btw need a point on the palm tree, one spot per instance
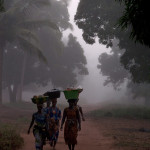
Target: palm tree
(16, 26)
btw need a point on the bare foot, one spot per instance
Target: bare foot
(51, 143)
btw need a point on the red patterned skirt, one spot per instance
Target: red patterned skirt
(71, 131)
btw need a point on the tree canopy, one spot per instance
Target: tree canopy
(99, 19)
(136, 17)
(93, 18)
(110, 66)
(17, 27)
(64, 63)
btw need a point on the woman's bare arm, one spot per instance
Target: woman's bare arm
(79, 119)
(63, 120)
(81, 112)
(31, 124)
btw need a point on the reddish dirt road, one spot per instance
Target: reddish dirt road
(104, 133)
(90, 138)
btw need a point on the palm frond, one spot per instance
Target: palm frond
(39, 23)
(26, 7)
(28, 34)
(7, 13)
(23, 5)
(31, 48)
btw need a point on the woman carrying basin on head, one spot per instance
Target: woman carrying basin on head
(53, 117)
(39, 129)
(72, 121)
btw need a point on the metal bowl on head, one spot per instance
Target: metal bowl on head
(54, 93)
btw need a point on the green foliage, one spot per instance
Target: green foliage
(120, 111)
(136, 17)
(10, 138)
(99, 19)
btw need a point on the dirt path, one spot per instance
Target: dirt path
(90, 138)
(105, 133)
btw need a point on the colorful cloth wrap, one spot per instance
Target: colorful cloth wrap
(54, 115)
(39, 130)
(71, 126)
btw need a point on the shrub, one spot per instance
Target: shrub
(10, 139)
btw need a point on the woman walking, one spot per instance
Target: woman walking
(39, 130)
(54, 116)
(72, 121)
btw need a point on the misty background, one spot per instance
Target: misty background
(67, 59)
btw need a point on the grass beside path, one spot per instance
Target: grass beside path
(127, 125)
(120, 111)
(10, 139)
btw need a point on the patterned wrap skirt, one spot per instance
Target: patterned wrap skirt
(39, 134)
(71, 131)
(53, 130)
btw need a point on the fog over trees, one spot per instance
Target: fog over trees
(34, 55)
(39, 27)
(128, 61)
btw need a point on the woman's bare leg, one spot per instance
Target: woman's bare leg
(73, 146)
(54, 144)
(69, 145)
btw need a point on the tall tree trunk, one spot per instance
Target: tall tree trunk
(147, 101)
(1, 71)
(22, 77)
(12, 93)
